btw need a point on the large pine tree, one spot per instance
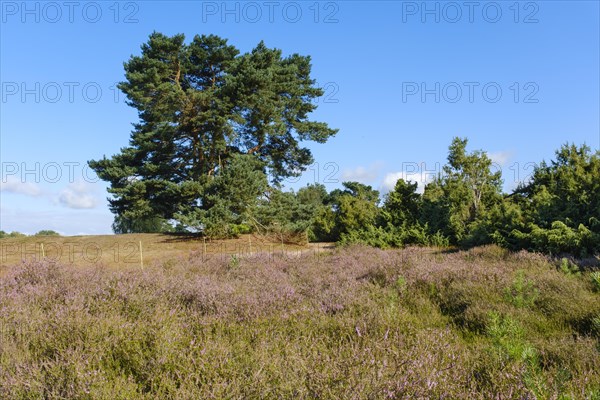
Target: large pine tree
(202, 106)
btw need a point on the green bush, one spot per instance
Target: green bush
(522, 293)
(562, 239)
(568, 267)
(13, 234)
(47, 233)
(438, 240)
(507, 335)
(559, 204)
(393, 237)
(372, 236)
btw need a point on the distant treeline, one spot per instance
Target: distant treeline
(556, 211)
(14, 234)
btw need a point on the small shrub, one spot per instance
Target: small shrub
(506, 334)
(568, 267)
(508, 338)
(47, 232)
(401, 284)
(372, 236)
(234, 261)
(522, 292)
(438, 240)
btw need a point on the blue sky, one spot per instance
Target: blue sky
(402, 78)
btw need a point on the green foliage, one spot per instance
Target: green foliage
(372, 236)
(286, 215)
(225, 190)
(562, 204)
(462, 206)
(146, 224)
(228, 199)
(356, 218)
(322, 225)
(556, 212)
(401, 284)
(438, 240)
(568, 267)
(508, 335)
(522, 293)
(495, 225)
(12, 234)
(47, 233)
(234, 261)
(401, 206)
(354, 208)
(457, 202)
(201, 105)
(323, 228)
(389, 237)
(558, 238)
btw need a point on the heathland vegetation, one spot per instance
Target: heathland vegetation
(357, 322)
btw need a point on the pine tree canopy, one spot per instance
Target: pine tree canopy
(201, 106)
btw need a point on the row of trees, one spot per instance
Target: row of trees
(15, 234)
(556, 211)
(219, 130)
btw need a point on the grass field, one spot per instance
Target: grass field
(344, 323)
(123, 251)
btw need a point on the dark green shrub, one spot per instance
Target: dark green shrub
(47, 233)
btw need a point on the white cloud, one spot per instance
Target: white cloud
(390, 179)
(78, 195)
(362, 174)
(500, 157)
(14, 185)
